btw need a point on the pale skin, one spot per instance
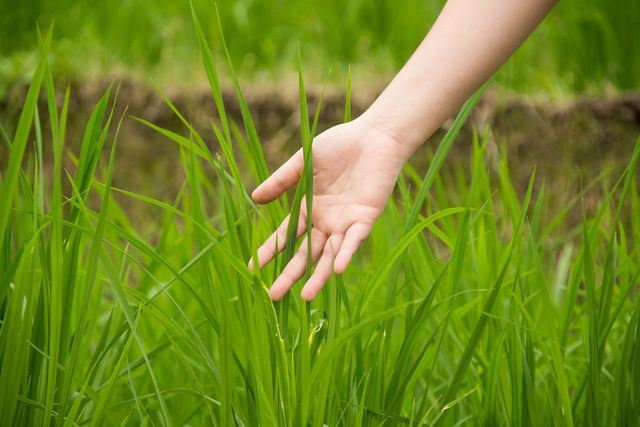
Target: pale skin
(357, 164)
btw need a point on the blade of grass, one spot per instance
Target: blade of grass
(21, 136)
(473, 340)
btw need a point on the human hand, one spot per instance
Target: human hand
(355, 167)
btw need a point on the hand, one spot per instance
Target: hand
(355, 170)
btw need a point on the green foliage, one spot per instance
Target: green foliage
(580, 46)
(490, 311)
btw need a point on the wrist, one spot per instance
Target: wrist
(399, 142)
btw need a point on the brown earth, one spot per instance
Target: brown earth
(570, 143)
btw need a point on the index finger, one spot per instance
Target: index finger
(279, 181)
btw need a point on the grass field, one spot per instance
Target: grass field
(468, 304)
(581, 46)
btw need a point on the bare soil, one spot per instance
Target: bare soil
(570, 143)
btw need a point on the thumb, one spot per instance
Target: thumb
(280, 181)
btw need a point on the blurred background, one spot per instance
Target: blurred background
(585, 47)
(567, 102)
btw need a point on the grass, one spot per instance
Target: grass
(467, 304)
(580, 47)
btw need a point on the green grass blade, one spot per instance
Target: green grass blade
(347, 103)
(93, 260)
(9, 180)
(440, 155)
(473, 340)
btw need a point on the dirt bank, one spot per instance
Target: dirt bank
(570, 143)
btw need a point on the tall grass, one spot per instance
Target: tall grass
(466, 304)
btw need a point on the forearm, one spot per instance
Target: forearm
(469, 41)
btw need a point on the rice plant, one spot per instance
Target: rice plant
(467, 305)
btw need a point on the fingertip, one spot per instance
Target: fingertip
(250, 264)
(340, 264)
(274, 295)
(258, 196)
(278, 289)
(307, 294)
(264, 193)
